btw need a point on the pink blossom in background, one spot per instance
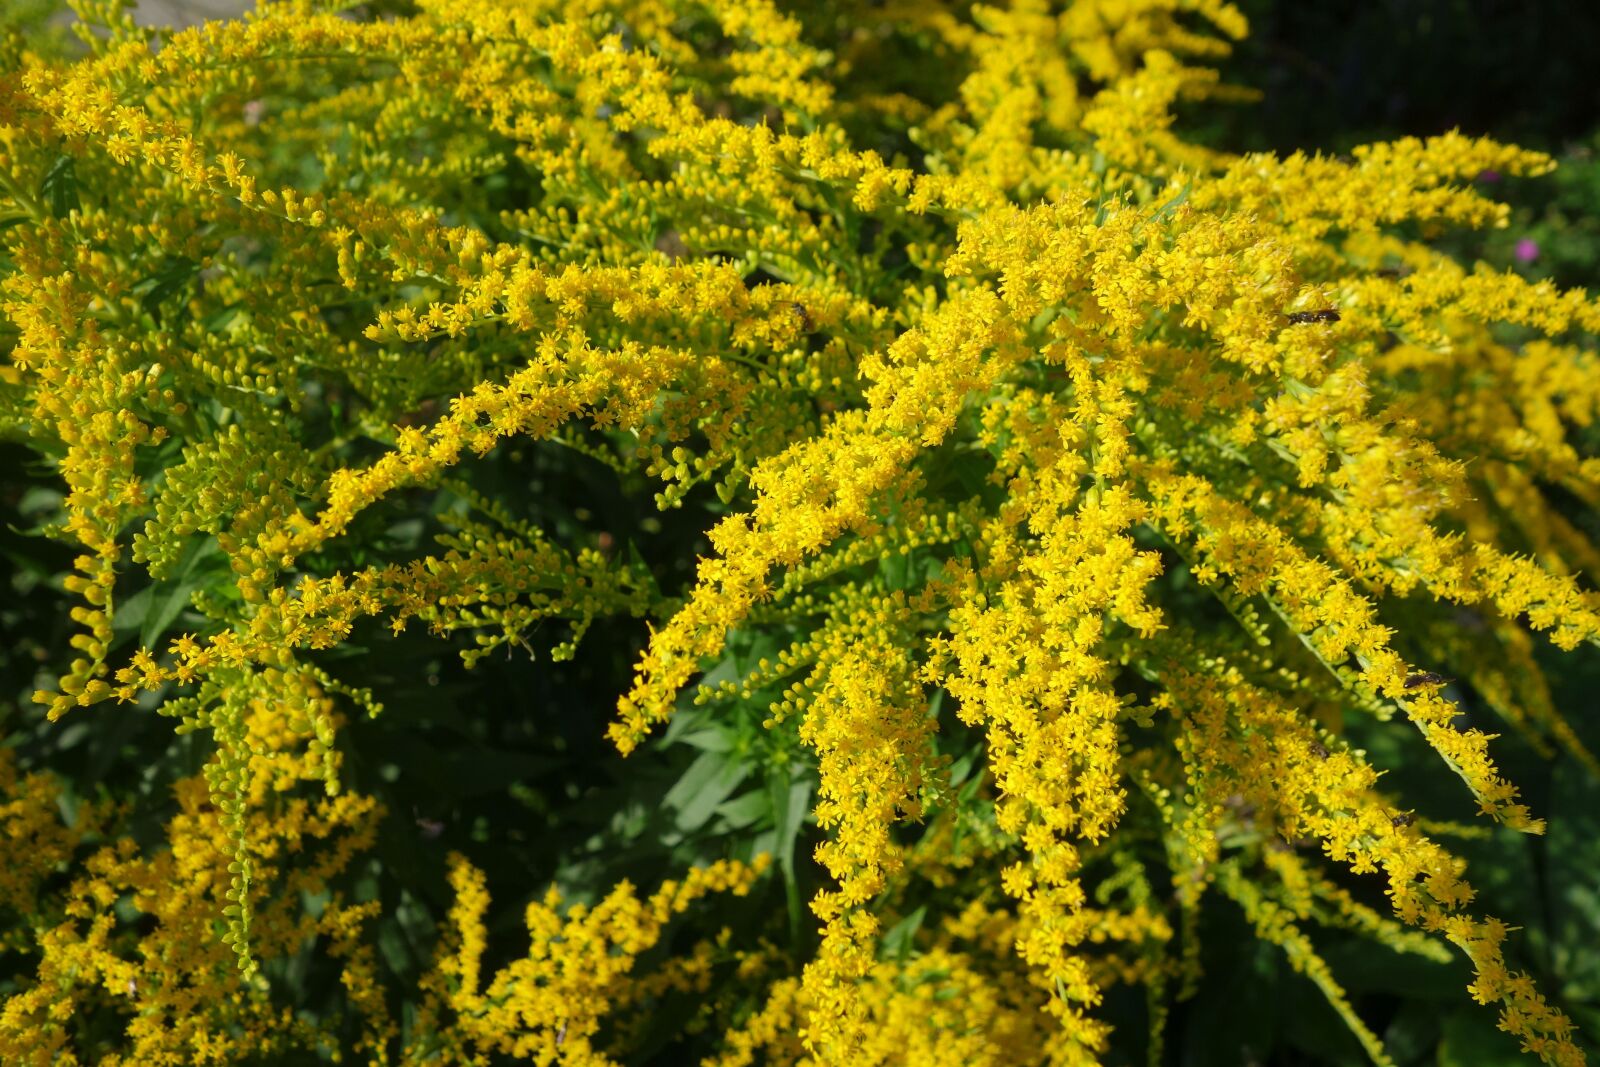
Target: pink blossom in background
(1526, 250)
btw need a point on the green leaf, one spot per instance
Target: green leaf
(219, 321)
(1413, 1033)
(791, 799)
(708, 740)
(1472, 1039)
(744, 810)
(174, 275)
(964, 764)
(709, 781)
(754, 648)
(153, 610)
(59, 188)
(900, 938)
(1572, 849)
(896, 570)
(1237, 1016)
(1170, 208)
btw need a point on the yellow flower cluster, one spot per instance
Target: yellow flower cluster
(1089, 487)
(547, 1007)
(143, 934)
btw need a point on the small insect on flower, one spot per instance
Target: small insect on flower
(800, 312)
(1416, 681)
(1302, 318)
(1319, 750)
(431, 829)
(1403, 819)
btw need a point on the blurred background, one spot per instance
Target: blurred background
(1341, 73)
(187, 12)
(1335, 75)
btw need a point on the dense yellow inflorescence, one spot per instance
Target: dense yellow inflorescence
(1151, 463)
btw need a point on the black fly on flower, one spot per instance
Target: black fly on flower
(1303, 318)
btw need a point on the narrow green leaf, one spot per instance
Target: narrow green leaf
(59, 188)
(900, 938)
(709, 781)
(744, 810)
(790, 804)
(174, 275)
(1170, 208)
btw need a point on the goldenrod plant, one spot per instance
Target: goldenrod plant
(1075, 500)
